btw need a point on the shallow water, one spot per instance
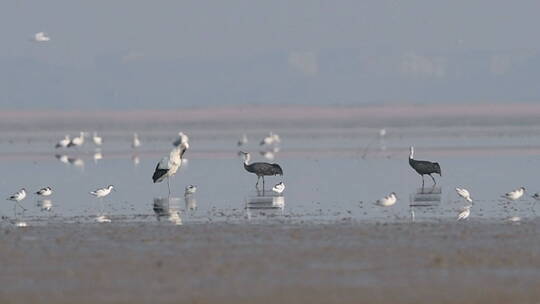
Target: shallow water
(330, 175)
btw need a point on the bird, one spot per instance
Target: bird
(464, 193)
(47, 191)
(168, 165)
(63, 142)
(382, 132)
(18, 196)
(464, 213)
(242, 141)
(536, 196)
(77, 141)
(424, 167)
(41, 37)
(190, 190)
(97, 139)
(513, 219)
(387, 201)
(271, 138)
(136, 142)
(279, 188)
(261, 169)
(515, 195)
(102, 192)
(182, 138)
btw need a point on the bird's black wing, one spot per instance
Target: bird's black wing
(424, 166)
(158, 174)
(265, 169)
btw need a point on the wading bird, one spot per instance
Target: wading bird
(18, 196)
(77, 141)
(102, 192)
(41, 37)
(387, 200)
(97, 139)
(464, 193)
(242, 141)
(515, 195)
(261, 169)
(190, 190)
(47, 191)
(424, 167)
(270, 139)
(168, 165)
(63, 142)
(136, 142)
(536, 196)
(279, 188)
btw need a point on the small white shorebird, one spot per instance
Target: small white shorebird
(513, 219)
(242, 141)
(63, 143)
(190, 190)
(169, 165)
(102, 192)
(279, 188)
(270, 139)
(515, 195)
(98, 140)
(464, 213)
(77, 141)
(41, 37)
(136, 142)
(18, 196)
(464, 193)
(182, 139)
(47, 191)
(387, 200)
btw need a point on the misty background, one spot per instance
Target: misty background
(128, 54)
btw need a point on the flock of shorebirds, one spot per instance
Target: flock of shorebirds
(165, 168)
(169, 165)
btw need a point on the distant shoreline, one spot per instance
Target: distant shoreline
(387, 115)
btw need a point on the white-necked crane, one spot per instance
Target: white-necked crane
(424, 167)
(261, 169)
(169, 165)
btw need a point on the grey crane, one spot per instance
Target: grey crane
(424, 167)
(168, 165)
(261, 169)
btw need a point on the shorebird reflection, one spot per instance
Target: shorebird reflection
(45, 204)
(422, 198)
(167, 208)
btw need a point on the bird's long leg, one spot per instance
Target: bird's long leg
(169, 185)
(20, 205)
(434, 182)
(263, 184)
(257, 184)
(422, 183)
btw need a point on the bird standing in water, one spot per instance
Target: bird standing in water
(424, 167)
(169, 165)
(261, 169)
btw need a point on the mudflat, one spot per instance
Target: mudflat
(271, 262)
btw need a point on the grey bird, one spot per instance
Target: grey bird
(424, 167)
(261, 169)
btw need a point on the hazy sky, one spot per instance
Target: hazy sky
(326, 42)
